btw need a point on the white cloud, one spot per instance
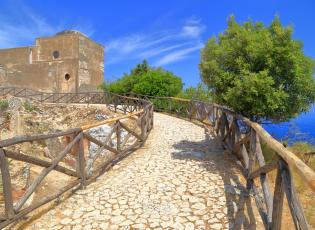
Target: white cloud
(177, 55)
(154, 52)
(193, 28)
(162, 47)
(23, 30)
(17, 33)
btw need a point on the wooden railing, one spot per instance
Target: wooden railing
(244, 139)
(87, 168)
(239, 136)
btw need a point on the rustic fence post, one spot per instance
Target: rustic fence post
(81, 161)
(143, 126)
(252, 151)
(216, 118)
(250, 182)
(190, 110)
(6, 184)
(234, 137)
(297, 213)
(118, 136)
(115, 104)
(151, 116)
(277, 202)
(263, 178)
(223, 125)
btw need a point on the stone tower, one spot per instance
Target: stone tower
(66, 62)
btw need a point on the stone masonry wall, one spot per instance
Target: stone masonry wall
(67, 62)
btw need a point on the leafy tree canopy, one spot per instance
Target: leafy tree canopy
(147, 80)
(259, 71)
(200, 93)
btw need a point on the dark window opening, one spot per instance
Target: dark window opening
(67, 77)
(56, 54)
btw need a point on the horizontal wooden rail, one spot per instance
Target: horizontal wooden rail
(111, 120)
(290, 158)
(239, 135)
(30, 138)
(37, 161)
(86, 169)
(244, 138)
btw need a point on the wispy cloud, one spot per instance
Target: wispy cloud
(177, 55)
(193, 28)
(16, 33)
(24, 29)
(162, 47)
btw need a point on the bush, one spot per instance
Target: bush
(4, 104)
(28, 106)
(200, 93)
(146, 80)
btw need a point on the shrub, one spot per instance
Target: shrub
(146, 80)
(28, 106)
(4, 104)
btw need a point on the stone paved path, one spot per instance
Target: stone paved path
(181, 179)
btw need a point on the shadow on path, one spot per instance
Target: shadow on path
(211, 156)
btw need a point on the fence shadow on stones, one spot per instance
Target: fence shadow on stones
(243, 139)
(209, 155)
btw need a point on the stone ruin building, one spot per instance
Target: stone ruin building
(66, 62)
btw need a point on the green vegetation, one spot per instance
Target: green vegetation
(28, 106)
(146, 80)
(259, 71)
(200, 93)
(4, 104)
(158, 83)
(305, 151)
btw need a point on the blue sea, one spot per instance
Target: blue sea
(301, 128)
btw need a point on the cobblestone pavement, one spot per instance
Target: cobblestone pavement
(181, 179)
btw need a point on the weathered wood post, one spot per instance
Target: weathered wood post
(6, 184)
(277, 202)
(296, 209)
(192, 109)
(118, 136)
(223, 125)
(81, 161)
(115, 104)
(263, 178)
(143, 126)
(151, 116)
(250, 181)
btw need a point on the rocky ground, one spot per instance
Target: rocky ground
(181, 179)
(21, 116)
(24, 117)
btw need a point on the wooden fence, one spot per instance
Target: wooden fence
(139, 111)
(244, 139)
(239, 135)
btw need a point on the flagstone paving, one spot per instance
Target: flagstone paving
(180, 179)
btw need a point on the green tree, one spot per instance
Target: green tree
(200, 93)
(259, 71)
(147, 80)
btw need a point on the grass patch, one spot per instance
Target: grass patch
(29, 106)
(4, 104)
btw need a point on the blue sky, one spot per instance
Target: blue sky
(166, 33)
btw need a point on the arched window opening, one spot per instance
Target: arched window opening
(67, 77)
(56, 54)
